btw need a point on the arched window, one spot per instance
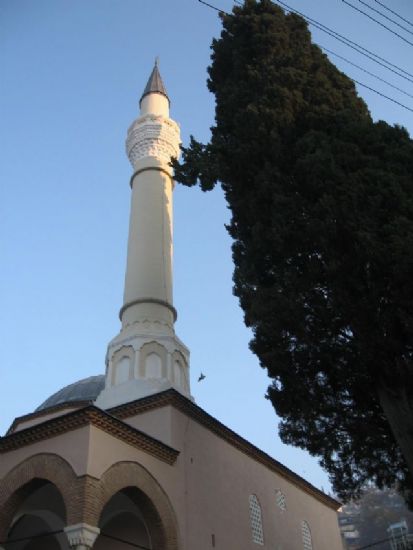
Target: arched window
(152, 361)
(306, 534)
(256, 520)
(180, 371)
(153, 366)
(122, 370)
(280, 500)
(121, 364)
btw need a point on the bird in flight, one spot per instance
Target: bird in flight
(201, 377)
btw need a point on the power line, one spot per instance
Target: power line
(32, 537)
(366, 71)
(378, 22)
(355, 81)
(394, 13)
(382, 95)
(375, 543)
(385, 16)
(350, 43)
(213, 7)
(127, 542)
(53, 533)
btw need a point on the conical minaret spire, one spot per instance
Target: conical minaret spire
(155, 83)
(147, 357)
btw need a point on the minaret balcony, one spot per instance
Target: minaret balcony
(152, 136)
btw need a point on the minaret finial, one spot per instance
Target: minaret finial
(157, 61)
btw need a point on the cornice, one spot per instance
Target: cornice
(186, 406)
(45, 412)
(94, 416)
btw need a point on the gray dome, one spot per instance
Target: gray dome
(83, 390)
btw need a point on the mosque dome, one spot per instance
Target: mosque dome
(83, 390)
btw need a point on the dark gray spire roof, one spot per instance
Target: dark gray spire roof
(84, 390)
(155, 83)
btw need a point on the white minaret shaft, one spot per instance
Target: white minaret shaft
(147, 357)
(152, 140)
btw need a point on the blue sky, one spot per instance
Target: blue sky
(71, 76)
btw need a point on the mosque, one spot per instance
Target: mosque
(127, 459)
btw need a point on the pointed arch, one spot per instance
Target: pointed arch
(20, 481)
(180, 371)
(122, 365)
(152, 500)
(159, 351)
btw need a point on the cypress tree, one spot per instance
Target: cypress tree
(322, 225)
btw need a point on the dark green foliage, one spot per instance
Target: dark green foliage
(322, 221)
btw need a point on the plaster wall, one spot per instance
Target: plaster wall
(210, 484)
(106, 450)
(218, 481)
(157, 423)
(73, 446)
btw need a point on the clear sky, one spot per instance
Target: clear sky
(71, 74)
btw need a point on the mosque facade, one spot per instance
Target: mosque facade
(127, 459)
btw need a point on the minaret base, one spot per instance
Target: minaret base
(140, 362)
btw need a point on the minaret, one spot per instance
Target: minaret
(147, 357)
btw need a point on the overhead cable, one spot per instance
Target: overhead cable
(396, 539)
(365, 70)
(213, 7)
(32, 537)
(394, 12)
(124, 541)
(355, 81)
(378, 22)
(385, 16)
(350, 43)
(382, 95)
(61, 531)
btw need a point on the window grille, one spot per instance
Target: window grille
(256, 520)
(280, 500)
(306, 534)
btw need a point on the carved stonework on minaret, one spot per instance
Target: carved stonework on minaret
(152, 136)
(147, 357)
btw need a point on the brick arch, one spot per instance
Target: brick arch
(152, 500)
(23, 478)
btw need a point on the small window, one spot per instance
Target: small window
(306, 534)
(256, 520)
(280, 500)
